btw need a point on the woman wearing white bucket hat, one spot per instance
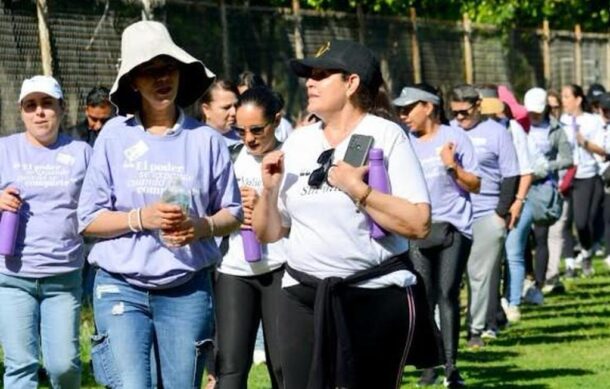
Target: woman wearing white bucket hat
(41, 173)
(153, 286)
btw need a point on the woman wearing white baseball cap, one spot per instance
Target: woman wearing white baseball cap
(41, 173)
(153, 286)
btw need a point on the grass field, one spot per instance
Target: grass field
(563, 344)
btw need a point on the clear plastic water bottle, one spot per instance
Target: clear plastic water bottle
(177, 194)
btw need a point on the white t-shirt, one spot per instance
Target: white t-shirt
(329, 235)
(247, 169)
(521, 147)
(590, 127)
(283, 130)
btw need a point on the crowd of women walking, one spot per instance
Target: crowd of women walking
(205, 228)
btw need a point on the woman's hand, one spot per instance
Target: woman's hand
(9, 200)
(188, 231)
(346, 177)
(448, 154)
(249, 198)
(162, 216)
(273, 169)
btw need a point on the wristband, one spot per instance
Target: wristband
(361, 202)
(522, 199)
(211, 225)
(132, 228)
(140, 225)
(451, 168)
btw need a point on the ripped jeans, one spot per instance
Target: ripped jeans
(132, 321)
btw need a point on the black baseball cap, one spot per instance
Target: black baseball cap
(594, 92)
(344, 55)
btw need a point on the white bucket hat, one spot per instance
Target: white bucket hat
(140, 43)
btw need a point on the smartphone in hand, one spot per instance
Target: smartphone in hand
(357, 152)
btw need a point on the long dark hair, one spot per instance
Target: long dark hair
(264, 98)
(577, 91)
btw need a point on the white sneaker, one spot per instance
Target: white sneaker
(513, 313)
(504, 303)
(607, 261)
(489, 334)
(527, 285)
(534, 296)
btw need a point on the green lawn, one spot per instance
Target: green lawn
(563, 344)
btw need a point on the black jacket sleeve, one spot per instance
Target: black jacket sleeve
(508, 190)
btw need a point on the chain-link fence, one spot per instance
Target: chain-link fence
(86, 46)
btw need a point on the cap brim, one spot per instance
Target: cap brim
(403, 101)
(303, 67)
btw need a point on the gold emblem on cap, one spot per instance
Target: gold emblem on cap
(323, 49)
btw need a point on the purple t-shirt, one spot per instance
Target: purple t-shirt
(131, 168)
(450, 203)
(49, 180)
(497, 160)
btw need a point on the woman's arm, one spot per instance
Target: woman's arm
(466, 180)
(525, 181)
(266, 218)
(395, 214)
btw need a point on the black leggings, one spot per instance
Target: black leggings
(441, 271)
(379, 323)
(587, 196)
(241, 303)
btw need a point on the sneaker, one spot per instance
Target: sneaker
(504, 303)
(453, 380)
(570, 273)
(528, 283)
(428, 377)
(534, 296)
(587, 268)
(513, 314)
(553, 286)
(475, 342)
(489, 334)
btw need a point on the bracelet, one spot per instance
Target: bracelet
(451, 168)
(361, 202)
(211, 225)
(140, 225)
(132, 228)
(522, 199)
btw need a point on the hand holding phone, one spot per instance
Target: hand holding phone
(358, 149)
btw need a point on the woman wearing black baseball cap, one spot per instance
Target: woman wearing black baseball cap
(347, 313)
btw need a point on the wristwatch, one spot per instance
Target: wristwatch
(451, 168)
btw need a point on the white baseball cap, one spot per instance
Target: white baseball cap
(43, 84)
(535, 100)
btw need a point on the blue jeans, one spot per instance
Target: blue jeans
(40, 313)
(132, 321)
(516, 243)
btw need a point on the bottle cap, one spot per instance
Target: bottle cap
(376, 153)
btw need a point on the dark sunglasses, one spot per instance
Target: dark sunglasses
(406, 110)
(254, 130)
(318, 176)
(463, 112)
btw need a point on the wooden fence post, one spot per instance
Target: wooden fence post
(46, 56)
(299, 50)
(361, 23)
(546, 53)
(416, 59)
(577, 55)
(467, 49)
(226, 64)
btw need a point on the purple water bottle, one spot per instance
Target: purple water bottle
(9, 227)
(378, 180)
(252, 247)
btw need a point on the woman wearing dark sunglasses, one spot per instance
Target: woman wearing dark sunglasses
(248, 292)
(450, 167)
(499, 172)
(347, 313)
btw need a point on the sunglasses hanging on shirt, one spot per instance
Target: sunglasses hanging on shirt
(318, 176)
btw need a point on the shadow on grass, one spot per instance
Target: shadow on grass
(507, 376)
